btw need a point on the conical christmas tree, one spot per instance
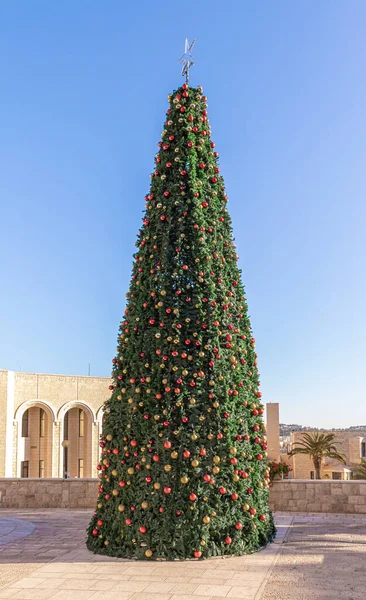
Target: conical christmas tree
(183, 465)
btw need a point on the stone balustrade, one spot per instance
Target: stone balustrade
(292, 495)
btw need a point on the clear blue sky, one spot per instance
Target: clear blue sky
(83, 94)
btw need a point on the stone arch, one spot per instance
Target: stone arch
(99, 417)
(30, 404)
(34, 449)
(75, 404)
(76, 449)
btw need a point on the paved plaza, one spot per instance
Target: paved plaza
(43, 555)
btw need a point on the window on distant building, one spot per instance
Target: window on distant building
(24, 469)
(336, 475)
(81, 467)
(25, 422)
(81, 422)
(42, 422)
(66, 426)
(311, 474)
(41, 469)
(363, 449)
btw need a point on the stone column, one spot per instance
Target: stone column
(95, 448)
(273, 431)
(15, 451)
(56, 444)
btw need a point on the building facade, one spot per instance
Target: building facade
(50, 424)
(350, 443)
(50, 427)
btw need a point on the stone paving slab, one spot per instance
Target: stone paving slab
(53, 562)
(323, 558)
(315, 556)
(14, 529)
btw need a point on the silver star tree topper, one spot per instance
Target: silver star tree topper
(187, 58)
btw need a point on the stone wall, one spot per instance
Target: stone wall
(290, 495)
(304, 495)
(48, 493)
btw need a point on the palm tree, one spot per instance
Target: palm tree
(318, 446)
(360, 471)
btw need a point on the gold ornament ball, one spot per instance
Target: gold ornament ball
(109, 437)
(148, 553)
(121, 508)
(167, 468)
(195, 463)
(156, 486)
(184, 479)
(206, 519)
(174, 454)
(144, 505)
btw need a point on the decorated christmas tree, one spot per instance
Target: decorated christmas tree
(183, 469)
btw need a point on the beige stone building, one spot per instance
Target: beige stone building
(351, 443)
(50, 424)
(50, 427)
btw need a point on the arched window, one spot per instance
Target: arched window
(25, 424)
(42, 422)
(81, 422)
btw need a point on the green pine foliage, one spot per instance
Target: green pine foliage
(183, 469)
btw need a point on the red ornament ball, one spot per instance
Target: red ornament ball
(262, 517)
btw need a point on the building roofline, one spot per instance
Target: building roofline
(54, 374)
